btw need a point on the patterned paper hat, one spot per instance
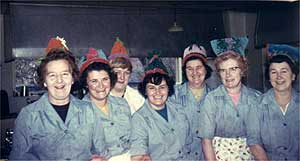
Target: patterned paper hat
(283, 49)
(118, 50)
(56, 43)
(194, 50)
(92, 56)
(155, 64)
(229, 45)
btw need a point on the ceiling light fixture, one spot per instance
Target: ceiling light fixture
(175, 27)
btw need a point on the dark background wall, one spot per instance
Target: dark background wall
(26, 27)
(141, 25)
(141, 28)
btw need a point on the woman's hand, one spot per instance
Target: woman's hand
(258, 152)
(208, 150)
(144, 157)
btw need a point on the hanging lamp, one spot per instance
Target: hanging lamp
(175, 27)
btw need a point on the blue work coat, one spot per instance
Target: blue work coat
(191, 107)
(40, 133)
(117, 124)
(277, 133)
(161, 139)
(219, 117)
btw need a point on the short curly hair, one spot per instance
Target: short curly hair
(242, 62)
(53, 55)
(156, 78)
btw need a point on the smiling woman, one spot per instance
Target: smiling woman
(224, 113)
(160, 130)
(278, 110)
(98, 78)
(75, 120)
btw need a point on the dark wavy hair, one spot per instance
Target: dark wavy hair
(279, 59)
(53, 55)
(156, 78)
(207, 68)
(98, 66)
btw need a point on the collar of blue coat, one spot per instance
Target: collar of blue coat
(147, 111)
(247, 94)
(235, 44)
(76, 106)
(113, 101)
(74, 103)
(184, 88)
(269, 96)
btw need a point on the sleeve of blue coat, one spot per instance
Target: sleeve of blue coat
(139, 137)
(22, 142)
(99, 145)
(253, 125)
(207, 120)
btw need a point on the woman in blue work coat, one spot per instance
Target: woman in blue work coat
(224, 114)
(276, 135)
(120, 63)
(58, 126)
(161, 130)
(191, 93)
(114, 112)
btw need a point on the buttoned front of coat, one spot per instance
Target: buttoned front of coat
(40, 134)
(161, 139)
(278, 133)
(191, 107)
(117, 125)
(219, 116)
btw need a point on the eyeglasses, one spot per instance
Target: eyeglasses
(231, 70)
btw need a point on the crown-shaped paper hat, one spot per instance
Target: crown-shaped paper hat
(56, 43)
(229, 45)
(283, 49)
(91, 57)
(118, 50)
(194, 50)
(155, 64)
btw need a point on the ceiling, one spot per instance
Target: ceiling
(182, 7)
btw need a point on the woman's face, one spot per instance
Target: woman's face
(123, 76)
(99, 85)
(195, 73)
(230, 74)
(281, 76)
(157, 94)
(58, 81)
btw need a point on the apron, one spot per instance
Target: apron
(231, 149)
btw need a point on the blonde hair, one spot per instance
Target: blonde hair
(121, 62)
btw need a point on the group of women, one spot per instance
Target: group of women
(161, 121)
